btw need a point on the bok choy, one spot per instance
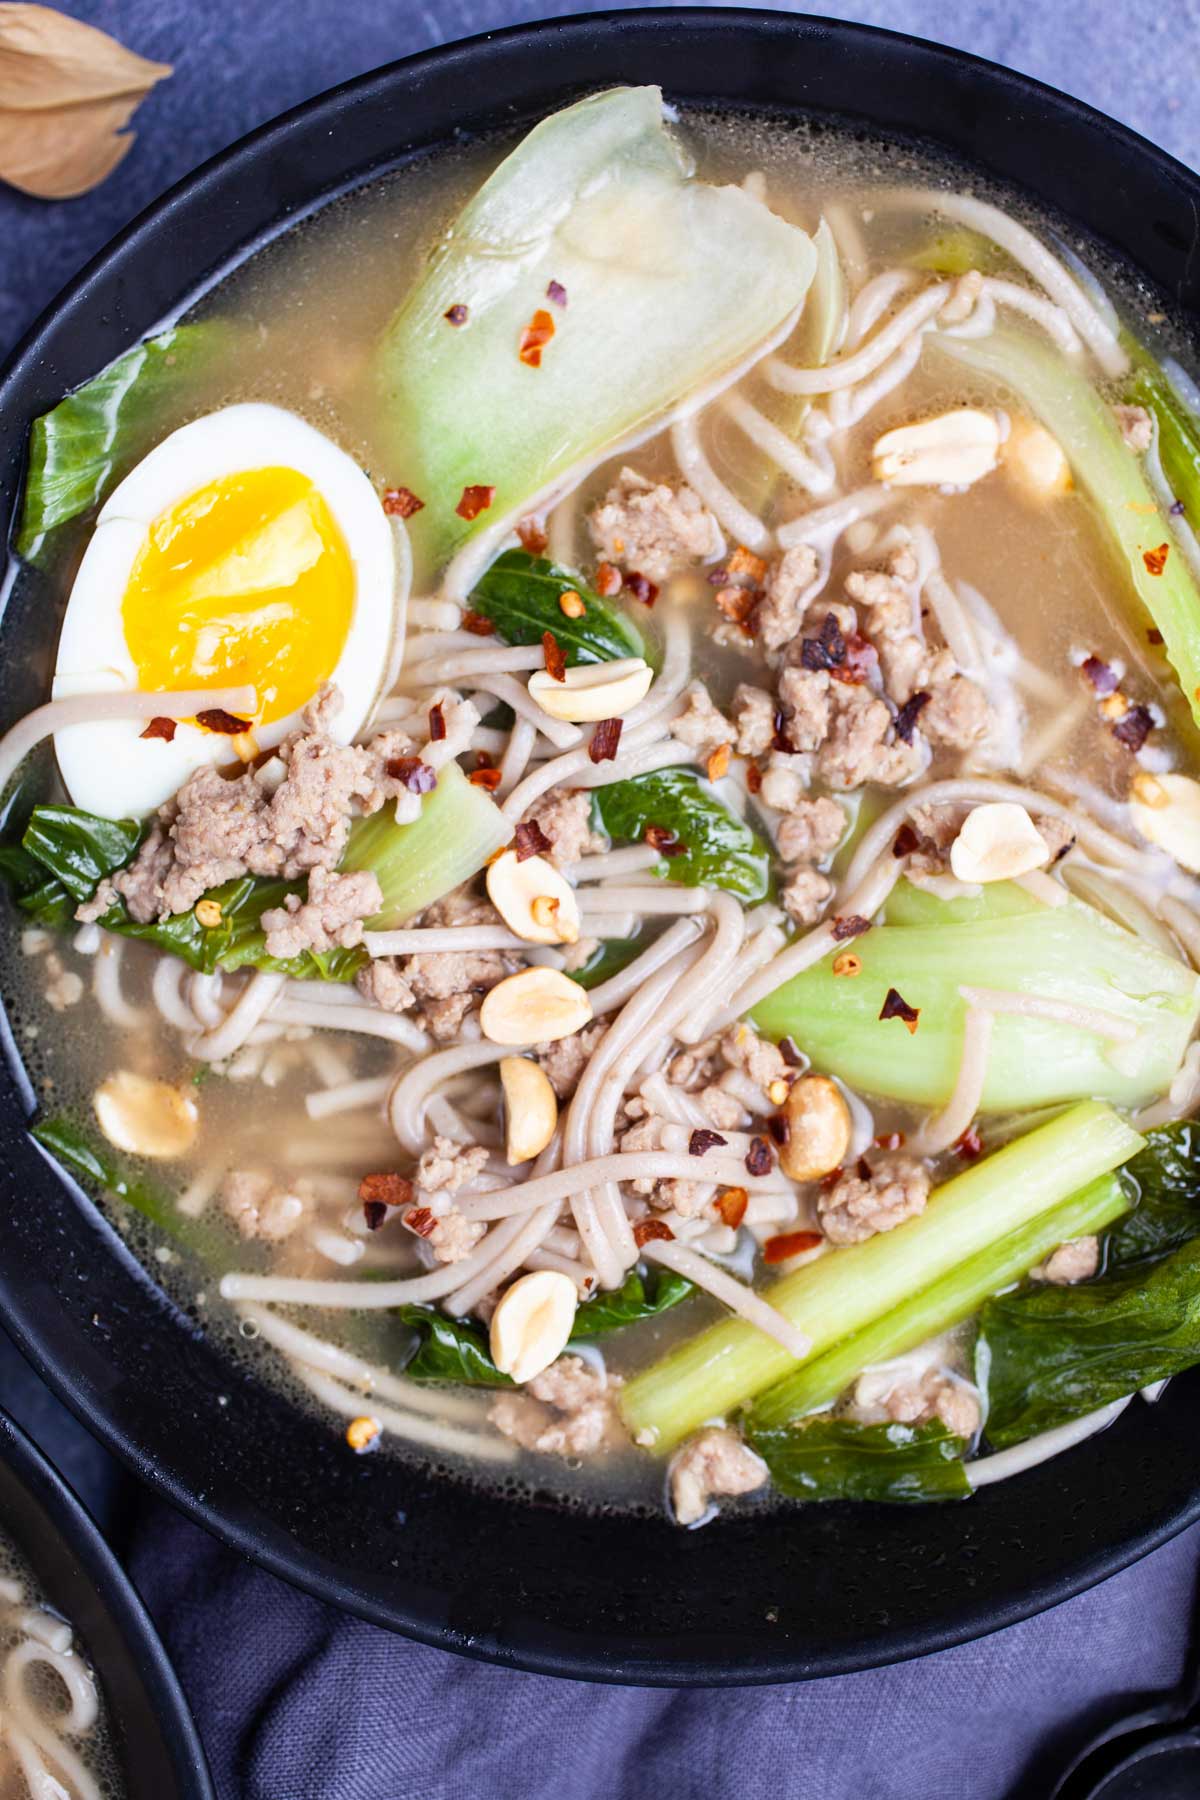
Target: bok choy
(639, 284)
(1070, 954)
(837, 1459)
(846, 1290)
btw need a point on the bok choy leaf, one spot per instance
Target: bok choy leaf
(836, 1459)
(449, 1349)
(642, 1295)
(714, 847)
(520, 595)
(654, 284)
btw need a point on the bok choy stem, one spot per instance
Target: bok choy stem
(846, 1290)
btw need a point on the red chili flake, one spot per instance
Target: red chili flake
(736, 604)
(779, 1128)
(791, 1053)
(608, 580)
(888, 1140)
(647, 1230)
(605, 739)
(456, 314)
(896, 1007)
(760, 1158)
(1103, 679)
(825, 651)
(790, 1243)
(530, 840)
(477, 625)
(487, 779)
(905, 841)
(483, 760)
(831, 1180)
(160, 728)
(862, 1169)
(703, 1140)
(1154, 635)
(216, 719)
(753, 778)
(862, 662)
(401, 502)
(1176, 509)
(557, 292)
(905, 721)
(744, 562)
(664, 840)
(535, 337)
(421, 1220)
(533, 536)
(850, 925)
(1134, 728)
(437, 722)
(556, 662)
(641, 588)
(969, 1145)
(781, 740)
(474, 501)
(731, 1204)
(415, 775)
(374, 1212)
(392, 1189)
(1156, 560)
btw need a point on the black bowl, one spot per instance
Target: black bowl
(154, 1737)
(796, 1594)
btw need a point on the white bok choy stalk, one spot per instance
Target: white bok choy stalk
(656, 286)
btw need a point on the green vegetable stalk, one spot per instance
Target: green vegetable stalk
(458, 829)
(958, 1294)
(835, 1459)
(846, 1290)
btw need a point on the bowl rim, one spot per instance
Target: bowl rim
(277, 1551)
(71, 1521)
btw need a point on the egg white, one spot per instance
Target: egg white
(108, 767)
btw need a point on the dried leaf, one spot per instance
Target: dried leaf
(66, 92)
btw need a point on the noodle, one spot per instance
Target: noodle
(86, 709)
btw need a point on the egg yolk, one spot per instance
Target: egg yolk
(247, 580)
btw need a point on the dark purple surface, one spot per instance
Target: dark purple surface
(298, 1703)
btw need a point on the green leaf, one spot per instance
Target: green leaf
(77, 451)
(1163, 1183)
(1178, 428)
(1056, 1353)
(640, 1296)
(957, 250)
(836, 1459)
(78, 847)
(719, 850)
(613, 955)
(520, 593)
(670, 284)
(93, 1161)
(449, 1350)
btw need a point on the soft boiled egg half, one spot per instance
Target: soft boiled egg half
(246, 549)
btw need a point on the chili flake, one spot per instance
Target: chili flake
(744, 562)
(647, 1230)
(530, 840)
(664, 840)
(790, 1243)
(1134, 728)
(779, 1128)
(477, 624)
(969, 1145)
(731, 1204)
(385, 1189)
(487, 779)
(608, 580)
(217, 719)
(437, 722)
(792, 1054)
(847, 964)
(456, 314)
(718, 763)
(412, 773)
(421, 1220)
(849, 925)
(1154, 635)
(532, 535)
(557, 292)
(905, 841)
(160, 728)
(1156, 560)
(888, 1140)
(401, 502)
(374, 1212)
(703, 1140)
(737, 604)
(760, 1158)
(556, 662)
(753, 778)
(1102, 678)
(474, 501)
(641, 587)
(825, 651)
(535, 337)
(861, 660)
(781, 740)
(605, 739)
(896, 1007)
(905, 721)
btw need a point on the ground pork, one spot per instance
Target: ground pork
(445, 985)
(64, 988)
(259, 1206)
(1136, 426)
(723, 1110)
(565, 817)
(861, 746)
(713, 1464)
(741, 1048)
(381, 984)
(753, 719)
(811, 831)
(917, 1401)
(779, 615)
(568, 1410)
(859, 1204)
(565, 1060)
(331, 917)
(696, 1066)
(449, 1166)
(451, 1237)
(1075, 1260)
(668, 1194)
(803, 898)
(957, 713)
(1058, 835)
(654, 529)
(701, 726)
(785, 781)
(808, 706)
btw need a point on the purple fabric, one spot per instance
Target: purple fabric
(296, 1702)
